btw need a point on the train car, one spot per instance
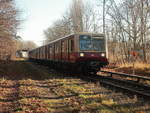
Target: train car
(81, 52)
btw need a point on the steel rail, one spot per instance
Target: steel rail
(130, 86)
(127, 75)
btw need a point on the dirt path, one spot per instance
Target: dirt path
(30, 88)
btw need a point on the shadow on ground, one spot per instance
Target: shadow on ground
(20, 70)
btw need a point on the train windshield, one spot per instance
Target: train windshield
(88, 43)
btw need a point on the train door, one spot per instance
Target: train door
(59, 50)
(42, 53)
(71, 49)
(38, 53)
(46, 53)
(67, 50)
(56, 51)
(62, 50)
(51, 53)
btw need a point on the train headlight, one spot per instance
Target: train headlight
(81, 54)
(103, 54)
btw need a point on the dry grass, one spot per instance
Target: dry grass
(142, 69)
(138, 65)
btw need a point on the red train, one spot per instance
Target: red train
(82, 52)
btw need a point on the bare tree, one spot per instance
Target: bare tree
(9, 22)
(8, 18)
(59, 29)
(130, 19)
(76, 13)
(81, 17)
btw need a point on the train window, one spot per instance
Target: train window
(43, 52)
(39, 54)
(71, 45)
(85, 43)
(50, 50)
(98, 44)
(88, 43)
(56, 48)
(66, 46)
(46, 52)
(63, 46)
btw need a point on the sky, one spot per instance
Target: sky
(38, 15)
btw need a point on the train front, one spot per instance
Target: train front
(92, 53)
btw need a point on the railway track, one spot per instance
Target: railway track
(130, 86)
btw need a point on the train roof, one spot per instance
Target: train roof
(79, 33)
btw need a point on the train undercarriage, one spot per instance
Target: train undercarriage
(89, 67)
